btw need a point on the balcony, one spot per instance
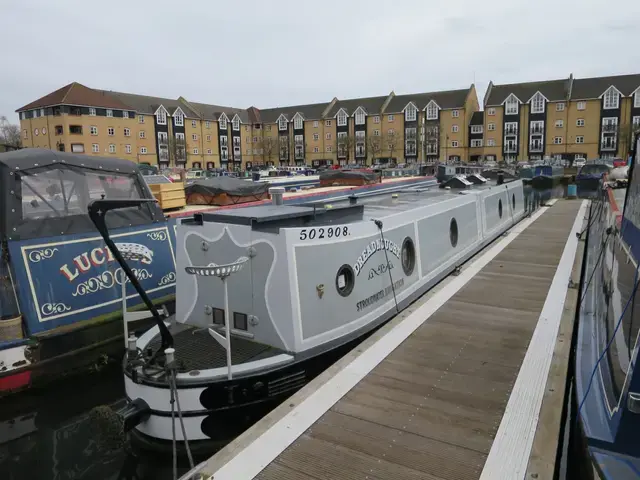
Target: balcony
(360, 152)
(431, 149)
(535, 147)
(536, 130)
(609, 128)
(608, 144)
(511, 131)
(510, 147)
(410, 149)
(299, 154)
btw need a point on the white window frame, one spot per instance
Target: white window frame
(194, 136)
(491, 142)
(143, 150)
(298, 123)
(410, 113)
(327, 123)
(611, 99)
(127, 132)
(327, 136)
(455, 113)
(194, 124)
(580, 122)
(557, 140)
(491, 111)
(454, 144)
(455, 128)
(537, 103)
(316, 150)
(161, 117)
(112, 148)
(636, 99)
(491, 127)
(140, 118)
(178, 119)
(582, 105)
(559, 123)
(635, 120)
(207, 124)
(95, 148)
(235, 124)
(125, 114)
(315, 124)
(141, 134)
(208, 151)
(127, 148)
(476, 142)
(560, 107)
(92, 112)
(283, 124)
(109, 113)
(580, 139)
(222, 122)
(316, 136)
(476, 129)
(360, 117)
(196, 151)
(111, 131)
(511, 105)
(208, 138)
(376, 119)
(391, 132)
(390, 118)
(376, 133)
(341, 118)
(329, 149)
(93, 130)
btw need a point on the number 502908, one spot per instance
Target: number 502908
(323, 232)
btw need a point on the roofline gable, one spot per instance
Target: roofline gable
(223, 115)
(181, 111)
(430, 102)
(341, 110)
(635, 92)
(509, 96)
(163, 108)
(537, 92)
(360, 107)
(280, 116)
(297, 114)
(609, 88)
(234, 117)
(410, 103)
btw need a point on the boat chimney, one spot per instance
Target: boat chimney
(353, 199)
(277, 195)
(500, 178)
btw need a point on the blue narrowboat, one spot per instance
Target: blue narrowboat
(60, 286)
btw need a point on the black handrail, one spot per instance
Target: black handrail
(97, 212)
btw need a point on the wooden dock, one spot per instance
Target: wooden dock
(452, 388)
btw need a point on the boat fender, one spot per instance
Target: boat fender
(134, 413)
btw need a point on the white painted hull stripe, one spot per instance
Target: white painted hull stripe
(264, 449)
(509, 454)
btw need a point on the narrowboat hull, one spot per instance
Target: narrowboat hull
(318, 280)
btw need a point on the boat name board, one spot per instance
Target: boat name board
(373, 247)
(376, 297)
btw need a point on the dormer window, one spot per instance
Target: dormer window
(410, 113)
(282, 124)
(342, 118)
(222, 122)
(235, 123)
(537, 103)
(511, 105)
(636, 100)
(178, 119)
(611, 98)
(432, 111)
(161, 117)
(360, 116)
(297, 122)
(109, 113)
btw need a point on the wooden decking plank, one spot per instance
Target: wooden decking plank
(282, 472)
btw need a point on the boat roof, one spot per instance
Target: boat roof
(343, 211)
(28, 158)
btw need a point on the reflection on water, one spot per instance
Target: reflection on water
(50, 435)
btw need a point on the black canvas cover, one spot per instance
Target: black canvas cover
(332, 175)
(229, 185)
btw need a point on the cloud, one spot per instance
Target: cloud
(286, 52)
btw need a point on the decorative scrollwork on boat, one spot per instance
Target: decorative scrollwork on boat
(167, 279)
(107, 280)
(159, 235)
(37, 255)
(380, 270)
(52, 308)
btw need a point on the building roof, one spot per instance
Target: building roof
(372, 105)
(77, 94)
(149, 105)
(312, 111)
(553, 90)
(477, 118)
(213, 112)
(584, 88)
(444, 99)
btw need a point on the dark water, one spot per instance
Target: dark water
(50, 435)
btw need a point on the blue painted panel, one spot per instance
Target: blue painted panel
(67, 279)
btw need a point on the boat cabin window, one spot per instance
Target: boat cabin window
(63, 192)
(594, 169)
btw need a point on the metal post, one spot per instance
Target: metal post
(124, 310)
(227, 326)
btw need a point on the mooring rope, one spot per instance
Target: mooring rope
(386, 255)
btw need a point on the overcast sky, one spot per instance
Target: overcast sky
(284, 52)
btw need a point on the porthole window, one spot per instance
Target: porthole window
(345, 280)
(500, 208)
(408, 256)
(513, 201)
(453, 232)
(240, 321)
